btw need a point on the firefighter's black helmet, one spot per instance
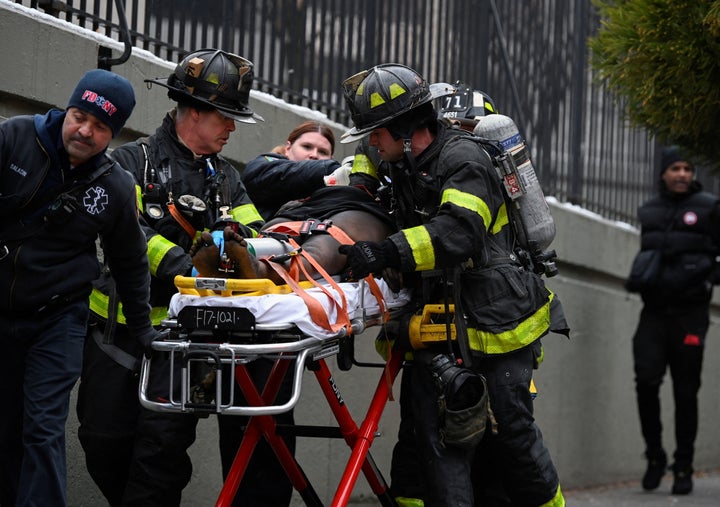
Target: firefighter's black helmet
(378, 95)
(215, 78)
(465, 103)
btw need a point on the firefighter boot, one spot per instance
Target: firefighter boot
(656, 468)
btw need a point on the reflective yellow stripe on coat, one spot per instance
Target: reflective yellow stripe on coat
(362, 164)
(99, 305)
(247, 214)
(158, 246)
(421, 246)
(524, 334)
(468, 201)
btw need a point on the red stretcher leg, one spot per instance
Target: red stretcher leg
(264, 425)
(360, 439)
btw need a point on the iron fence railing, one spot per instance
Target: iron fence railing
(531, 57)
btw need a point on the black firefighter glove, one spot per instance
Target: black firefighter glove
(366, 257)
(147, 337)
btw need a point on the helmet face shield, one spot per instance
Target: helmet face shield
(213, 78)
(350, 87)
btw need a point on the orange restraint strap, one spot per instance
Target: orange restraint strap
(291, 275)
(179, 218)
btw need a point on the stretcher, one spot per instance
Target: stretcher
(221, 325)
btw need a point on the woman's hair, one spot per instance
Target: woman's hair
(313, 126)
(279, 149)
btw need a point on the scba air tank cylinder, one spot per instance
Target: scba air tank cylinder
(537, 228)
(267, 247)
(257, 247)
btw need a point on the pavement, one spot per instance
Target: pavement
(706, 493)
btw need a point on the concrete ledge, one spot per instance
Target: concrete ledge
(50, 55)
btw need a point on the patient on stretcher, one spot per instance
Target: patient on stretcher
(350, 209)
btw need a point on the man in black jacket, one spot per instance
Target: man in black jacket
(58, 192)
(136, 456)
(682, 223)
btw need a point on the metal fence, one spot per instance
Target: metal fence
(530, 56)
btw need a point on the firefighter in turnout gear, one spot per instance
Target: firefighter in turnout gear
(462, 106)
(456, 244)
(136, 456)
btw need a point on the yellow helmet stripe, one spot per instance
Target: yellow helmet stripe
(396, 90)
(376, 100)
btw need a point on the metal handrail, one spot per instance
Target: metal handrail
(104, 60)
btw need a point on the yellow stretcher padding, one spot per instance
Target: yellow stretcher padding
(430, 326)
(200, 286)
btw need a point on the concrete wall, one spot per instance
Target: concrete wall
(586, 406)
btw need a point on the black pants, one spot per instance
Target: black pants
(407, 475)
(517, 454)
(138, 457)
(673, 339)
(264, 482)
(40, 362)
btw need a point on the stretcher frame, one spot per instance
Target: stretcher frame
(294, 348)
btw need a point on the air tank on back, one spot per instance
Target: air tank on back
(536, 229)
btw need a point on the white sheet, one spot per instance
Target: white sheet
(290, 308)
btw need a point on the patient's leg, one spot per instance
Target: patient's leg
(206, 256)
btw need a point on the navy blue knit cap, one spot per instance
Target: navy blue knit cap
(106, 95)
(669, 156)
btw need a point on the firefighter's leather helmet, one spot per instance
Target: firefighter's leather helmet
(215, 78)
